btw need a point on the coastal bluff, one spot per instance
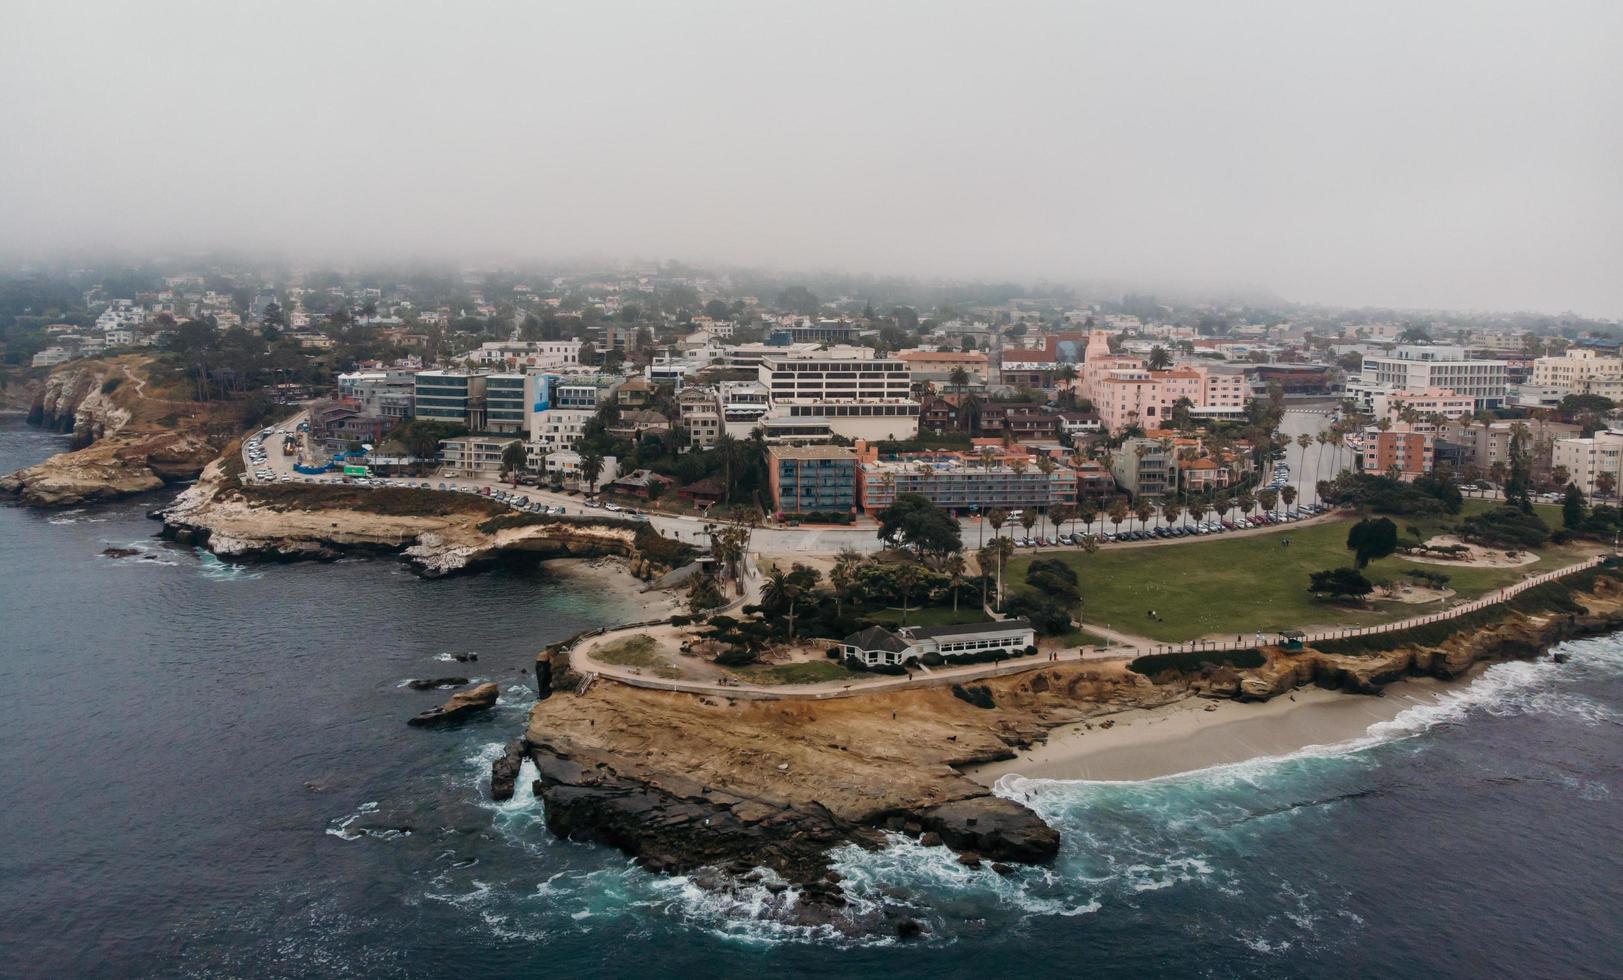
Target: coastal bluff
(728, 789)
(127, 439)
(436, 533)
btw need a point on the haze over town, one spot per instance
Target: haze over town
(1454, 155)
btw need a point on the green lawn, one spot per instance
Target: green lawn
(1235, 585)
(636, 651)
(809, 672)
(1081, 638)
(928, 616)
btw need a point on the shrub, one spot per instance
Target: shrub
(1505, 527)
(1193, 661)
(735, 657)
(979, 695)
(855, 665)
(833, 653)
(681, 620)
(1031, 651)
(111, 385)
(932, 659)
(893, 669)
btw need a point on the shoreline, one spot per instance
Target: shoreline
(611, 577)
(1188, 735)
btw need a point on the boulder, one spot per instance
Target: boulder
(461, 705)
(429, 684)
(993, 827)
(504, 771)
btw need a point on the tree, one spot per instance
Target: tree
(958, 378)
(1143, 510)
(1605, 483)
(997, 551)
(1159, 359)
(913, 520)
(1028, 520)
(513, 457)
(1288, 495)
(1372, 538)
(1117, 513)
(954, 567)
(842, 576)
(1572, 507)
(785, 589)
(591, 467)
(1340, 582)
(703, 593)
(908, 577)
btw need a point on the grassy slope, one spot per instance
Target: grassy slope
(1240, 584)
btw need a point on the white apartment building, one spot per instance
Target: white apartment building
(541, 354)
(1575, 366)
(1586, 459)
(563, 467)
(860, 394)
(1419, 368)
(558, 428)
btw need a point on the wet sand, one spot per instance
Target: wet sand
(609, 576)
(1150, 742)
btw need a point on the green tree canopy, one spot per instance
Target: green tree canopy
(1372, 538)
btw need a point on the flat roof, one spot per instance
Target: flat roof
(968, 629)
(812, 452)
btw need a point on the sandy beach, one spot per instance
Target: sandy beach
(1146, 743)
(609, 576)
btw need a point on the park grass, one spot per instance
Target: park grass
(1237, 585)
(636, 651)
(926, 616)
(805, 672)
(1080, 638)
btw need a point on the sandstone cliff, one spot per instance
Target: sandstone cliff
(126, 438)
(685, 783)
(437, 533)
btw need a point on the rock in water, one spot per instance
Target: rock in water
(461, 705)
(994, 828)
(428, 684)
(504, 771)
(120, 552)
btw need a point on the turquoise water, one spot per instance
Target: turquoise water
(207, 773)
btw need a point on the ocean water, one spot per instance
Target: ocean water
(205, 772)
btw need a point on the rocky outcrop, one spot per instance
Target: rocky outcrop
(438, 534)
(461, 705)
(992, 827)
(686, 783)
(124, 442)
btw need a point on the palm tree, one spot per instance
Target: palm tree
(1144, 510)
(1028, 520)
(954, 567)
(1117, 513)
(779, 590)
(1267, 497)
(1302, 442)
(1246, 502)
(1171, 511)
(727, 447)
(1159, 359)
(1001, 548)
(1059, 514)
(591, 467)
(842, 576)
(1287, 493)
(1086, 512)
(959, 378)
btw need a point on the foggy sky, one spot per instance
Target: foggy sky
(1466, 155)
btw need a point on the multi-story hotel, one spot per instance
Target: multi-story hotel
(862, 395)
(1426, 368)
(964, 482)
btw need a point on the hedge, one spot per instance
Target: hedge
(1188, 663)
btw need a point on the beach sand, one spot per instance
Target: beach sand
(609, 576)
(1146, 743)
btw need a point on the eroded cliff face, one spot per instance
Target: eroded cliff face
(437, 533)
(685, 783)
(125, 442)
(721, 787)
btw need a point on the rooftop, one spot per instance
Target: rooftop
(811, 452)
(968, 629)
